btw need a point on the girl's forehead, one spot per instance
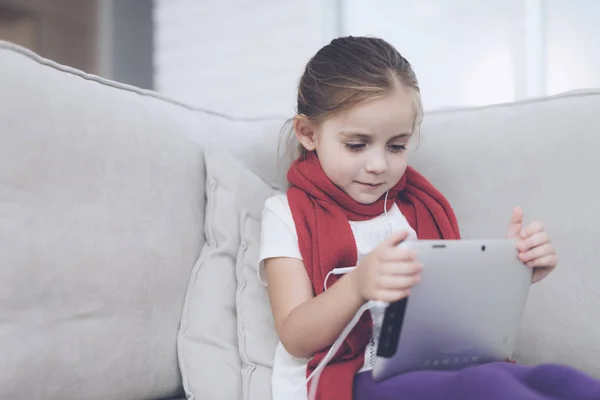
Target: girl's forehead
(390, 115)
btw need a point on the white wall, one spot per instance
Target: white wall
(240, 57)
(125, 41)
(572, 50)
(465, 52)
(244, 57)
(474, 53)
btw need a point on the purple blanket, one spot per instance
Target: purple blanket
(492, 381)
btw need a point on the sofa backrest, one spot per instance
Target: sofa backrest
(101, 221)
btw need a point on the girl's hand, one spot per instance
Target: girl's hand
(533, 244)
(388, 272)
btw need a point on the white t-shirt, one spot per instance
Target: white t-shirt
(279, 239)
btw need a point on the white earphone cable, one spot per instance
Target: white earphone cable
(315, 375)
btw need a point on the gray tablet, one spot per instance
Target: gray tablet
(466, 310)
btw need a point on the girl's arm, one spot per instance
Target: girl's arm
(305, 323)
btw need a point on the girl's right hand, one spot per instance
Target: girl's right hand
(388, 272)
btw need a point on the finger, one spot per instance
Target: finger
(399, 282)
(540, 273)
(535, 240)
(531, 229)
(547, 261)
(537, 252)
(516, 223)
(400, 268)
(389, 296)
(395, 239)
(397, 254)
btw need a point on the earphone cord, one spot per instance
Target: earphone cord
(333, 271)
(385, 203)
(315, 375)
(391, 228)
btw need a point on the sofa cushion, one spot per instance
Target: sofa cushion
(101, 215)
(227, 338)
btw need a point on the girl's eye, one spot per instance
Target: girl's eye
(397, 147)
(355, 146)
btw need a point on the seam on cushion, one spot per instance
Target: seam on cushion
(211, 193)
(209, 248)
(8, 46)
(570, 94)
(248, 367)
(205, 254)
(247, 372)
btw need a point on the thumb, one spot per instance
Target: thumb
(516, 223)
(395, 239)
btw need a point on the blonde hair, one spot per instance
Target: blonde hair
(346, 72)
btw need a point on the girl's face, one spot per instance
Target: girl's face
(364, 151)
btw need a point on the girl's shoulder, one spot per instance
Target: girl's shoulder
(278, 204)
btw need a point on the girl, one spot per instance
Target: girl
(352, 200)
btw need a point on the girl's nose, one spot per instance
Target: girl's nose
(377, 165)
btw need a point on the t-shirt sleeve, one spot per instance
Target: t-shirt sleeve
(278, 233)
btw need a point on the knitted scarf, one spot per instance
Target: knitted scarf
(321, 212)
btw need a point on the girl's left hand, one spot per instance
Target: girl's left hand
(533, 244)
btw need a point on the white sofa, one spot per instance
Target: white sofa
(129, 231)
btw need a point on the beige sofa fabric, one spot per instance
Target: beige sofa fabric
(101, 215)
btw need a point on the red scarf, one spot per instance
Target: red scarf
(321, 212)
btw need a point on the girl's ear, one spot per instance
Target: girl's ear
(305, 132)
